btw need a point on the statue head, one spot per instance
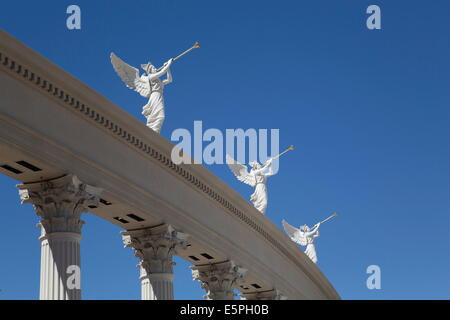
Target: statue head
(149, 68)
(255, 165)
(304, 228)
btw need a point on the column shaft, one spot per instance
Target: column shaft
(157, 286)
(60, 266)
(60, 203)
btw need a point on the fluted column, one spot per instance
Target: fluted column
(263, 295)
(60, 203)
(219, 279)
(155, 248)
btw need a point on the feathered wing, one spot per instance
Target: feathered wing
(130, 76)
(295, 234)
(240, 171)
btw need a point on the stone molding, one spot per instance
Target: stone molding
(263, 295)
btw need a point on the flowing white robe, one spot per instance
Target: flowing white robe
(259, 198)
(154, 109)
(311, 252)
(310, 248)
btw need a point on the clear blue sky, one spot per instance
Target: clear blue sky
(369, 111)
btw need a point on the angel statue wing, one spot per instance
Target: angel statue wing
(240, 171)
(295, 234)
(130, 76)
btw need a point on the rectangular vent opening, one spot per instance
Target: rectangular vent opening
(256, 286)
(121, 220)
(207, 256)
(106, 203)
(11, 169)
(194, 258)
(135, 217)
(245, 288)
(28, 166)
(93, 207)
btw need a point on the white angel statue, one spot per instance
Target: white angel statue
(304, 237)
(257, 177)
(149, 86)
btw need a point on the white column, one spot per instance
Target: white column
(219, 279)
(156, 286)
(60, 203)
(155, 248)
(263, 295)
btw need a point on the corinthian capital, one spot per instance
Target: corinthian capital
(219, 279)
(60, 202)
(155, 247)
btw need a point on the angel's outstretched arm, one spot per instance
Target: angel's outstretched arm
(169, 77)
(314, 231)
(266, 169)
(316, 227)
(268, 163)
(161, 72)
(158, 74)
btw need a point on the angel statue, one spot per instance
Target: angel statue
(257, 177)
(305, 236)
(148, 85)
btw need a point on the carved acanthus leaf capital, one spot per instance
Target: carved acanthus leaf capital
(60, 202)
(219, 279)
(155, 247)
